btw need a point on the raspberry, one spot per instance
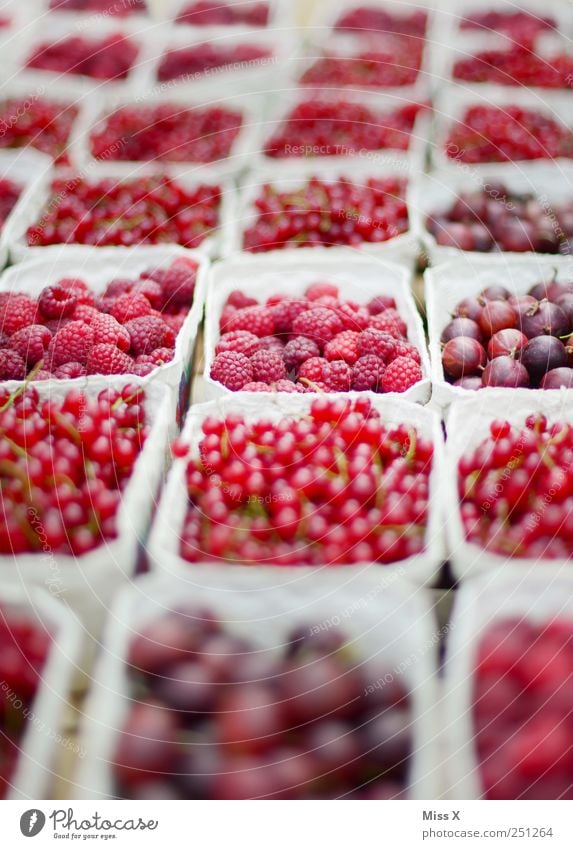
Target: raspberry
(148, 333)
(107, 330)
(268, 366)
(381, 303)
(257, 320)
(12, 366)
(271, 343)
(391, 322)
(241, 341)
(406, 349)
(129, 306)
(256, 386)
(321, 324)
(233, 370)
(31, 343)
(239, 300)
(178, 283)
(339, 377)
(377, 342)
(118, 286)
(107, 359)
(353, 317)
(286, 311)
(142, 369)
(80, 290)
(289, 386)
(315, 370)
(57, 302)
(72, 343)
(298, 350)
(175, 322)
(161, 356)
(367, 374)
(151, 290)
(401, 375)
(55, 324)
(43, 374)
(84, 312)
(344, 346)
(321, 290)
(70, 370)
(16, 312)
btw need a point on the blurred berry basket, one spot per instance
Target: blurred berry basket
(358, 279)
(40, 653)
(371, 20)
(22, 172)
(228, 15)
(388, 645)
(114, 9)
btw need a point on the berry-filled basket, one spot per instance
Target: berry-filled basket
(436, 193)
(98, 267)
(88, 579)
(31, 618)
(390, 639)
(450, 285)
(25, 172)
(89, 9)
(294, 177)
(169, 527)
(358, 278)
(217, 201)
(524, 24)
(226, 15)
(510, 479)
(224, 136)
(510, 631)
(523, 128)
(390, 16)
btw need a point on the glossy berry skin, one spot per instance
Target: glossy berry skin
(185, 62)
(202, 13)
(515, 491)
(216, 716)
(107, 58)
(317, 214)
(150, 210)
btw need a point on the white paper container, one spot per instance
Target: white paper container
(244, 147)
(97, 267)
(87, 584)
(381, 102)
(27, 168)
(467, 425)
(360, 279)
(280, 17)
(447, 284)
(262, 76)
(32, 208)
(292, 175)
(436, 192)
(35, 770)
(387, 630)
(163, 549)
(533, 596)
(453, 101)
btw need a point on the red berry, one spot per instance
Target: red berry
(31, 343)
(71, 344)
(401, 374)
(57, 302)
(268, 366)
(232, 369)
(107, 359)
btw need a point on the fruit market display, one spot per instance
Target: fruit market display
(106, 58)
(520, 710)
(519, 24)
(64, 466)
(9, 194)
(119, 8)
(316, 343)
(497, 219)
(167, 132)
(503, 134)
(341, 128)
(373, 19)
(396, 64)
(204, 13)
(70, 331)
(517, 66)
(328, 213)
(336, 486)
(38, 122)
(149, 210)
(25, 646)
(192, 62)
(217, 718)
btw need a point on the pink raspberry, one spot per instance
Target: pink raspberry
(70, 371)
(72, 343)
(285, 312)
(118, 286)
(353, 316)
(298, 350)
(107, 330)
(257, 320)
(241, 341)
(320, 324)
(344, 346)
(271, 343)
(31, 343)
(391, 322)
(175, 322)
(381, 303)
(321, 290)
(315, 370)
(12, 366)
(377, 342)
(17, 311)
(142, 369)
(43, 374)
(367, 374)
(152, 290)
(161, 356)
(239, 300)
(82, 292)
(289, 386)
(268, 366)
(148, 333)
(406, 349)
(130, 306)
(107, 359)
(84, 312)
(401, 374)
(57, 302)
(256, 386)
(339, 377)
(231, 369)
(178, 283)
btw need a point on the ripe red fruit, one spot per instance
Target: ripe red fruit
(497, 315)
(558, 377)
(107, 359)
(510, 342)
(232, 369)
(463, 357)
(543, 354)
(505, 372)
(462, 326)
(71, 344)
(31, 343)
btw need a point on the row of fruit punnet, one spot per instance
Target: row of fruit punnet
(200, 16)
(21, 172)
